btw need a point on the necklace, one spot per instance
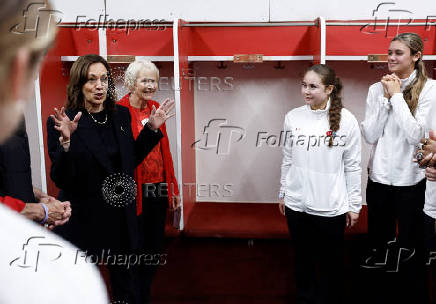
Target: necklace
(96, 121)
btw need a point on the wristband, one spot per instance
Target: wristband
(45, 212)
(151, 127)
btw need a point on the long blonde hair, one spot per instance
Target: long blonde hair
(412, 91)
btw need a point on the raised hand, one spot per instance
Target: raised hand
(63, 124)
(159, 116)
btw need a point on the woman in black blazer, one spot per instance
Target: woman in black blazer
(91, 147)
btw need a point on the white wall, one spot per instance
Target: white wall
(257, 102)
(32, 133)
(245, 10)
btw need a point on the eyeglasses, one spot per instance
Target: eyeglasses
(103, 80)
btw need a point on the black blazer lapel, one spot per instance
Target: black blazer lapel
(90, 137)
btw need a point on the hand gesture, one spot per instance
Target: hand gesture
(176, 202)
(63, 123)
(58, 212)
(430, 173)
(391, 85)
(352, 218)
(159, 116)
(282, 206)
(428, 151)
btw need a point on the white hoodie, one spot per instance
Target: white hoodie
(430, 190)
(315, 178)
(394, 132)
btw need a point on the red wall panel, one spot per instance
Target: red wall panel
(269, 41)
(353, 40)
(141, 42)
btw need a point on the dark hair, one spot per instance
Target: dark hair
(328, 77)
(412, 91)
(78, 78)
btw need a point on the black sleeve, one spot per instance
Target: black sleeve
(62, 167)
(15, 170)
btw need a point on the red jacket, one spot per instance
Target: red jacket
(13, 203)
(170, 178)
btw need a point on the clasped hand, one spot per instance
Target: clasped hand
(429, 156)
(391, 85)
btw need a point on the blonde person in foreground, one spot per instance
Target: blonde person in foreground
(320, 191)
(36, 266)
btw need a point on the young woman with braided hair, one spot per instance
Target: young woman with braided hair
(395, 119)
(320, 190)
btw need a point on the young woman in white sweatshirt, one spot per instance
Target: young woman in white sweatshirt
(395, 120)
(320, 189)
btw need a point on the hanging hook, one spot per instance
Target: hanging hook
(221, 65)
(279, 66)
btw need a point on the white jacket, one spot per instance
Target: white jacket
(394, 132)
(315, 178)
(430, 190)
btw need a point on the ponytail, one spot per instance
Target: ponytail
(411, 92)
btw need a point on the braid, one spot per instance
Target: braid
(328, 77)
(335, 108)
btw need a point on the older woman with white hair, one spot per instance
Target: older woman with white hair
(157, 184)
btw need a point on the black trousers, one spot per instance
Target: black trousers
(122, 282)
(430, 241)
(152, 224)
(319, 258)
(396, 260)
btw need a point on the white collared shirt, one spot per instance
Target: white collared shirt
(315, 178)
(394, 133)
